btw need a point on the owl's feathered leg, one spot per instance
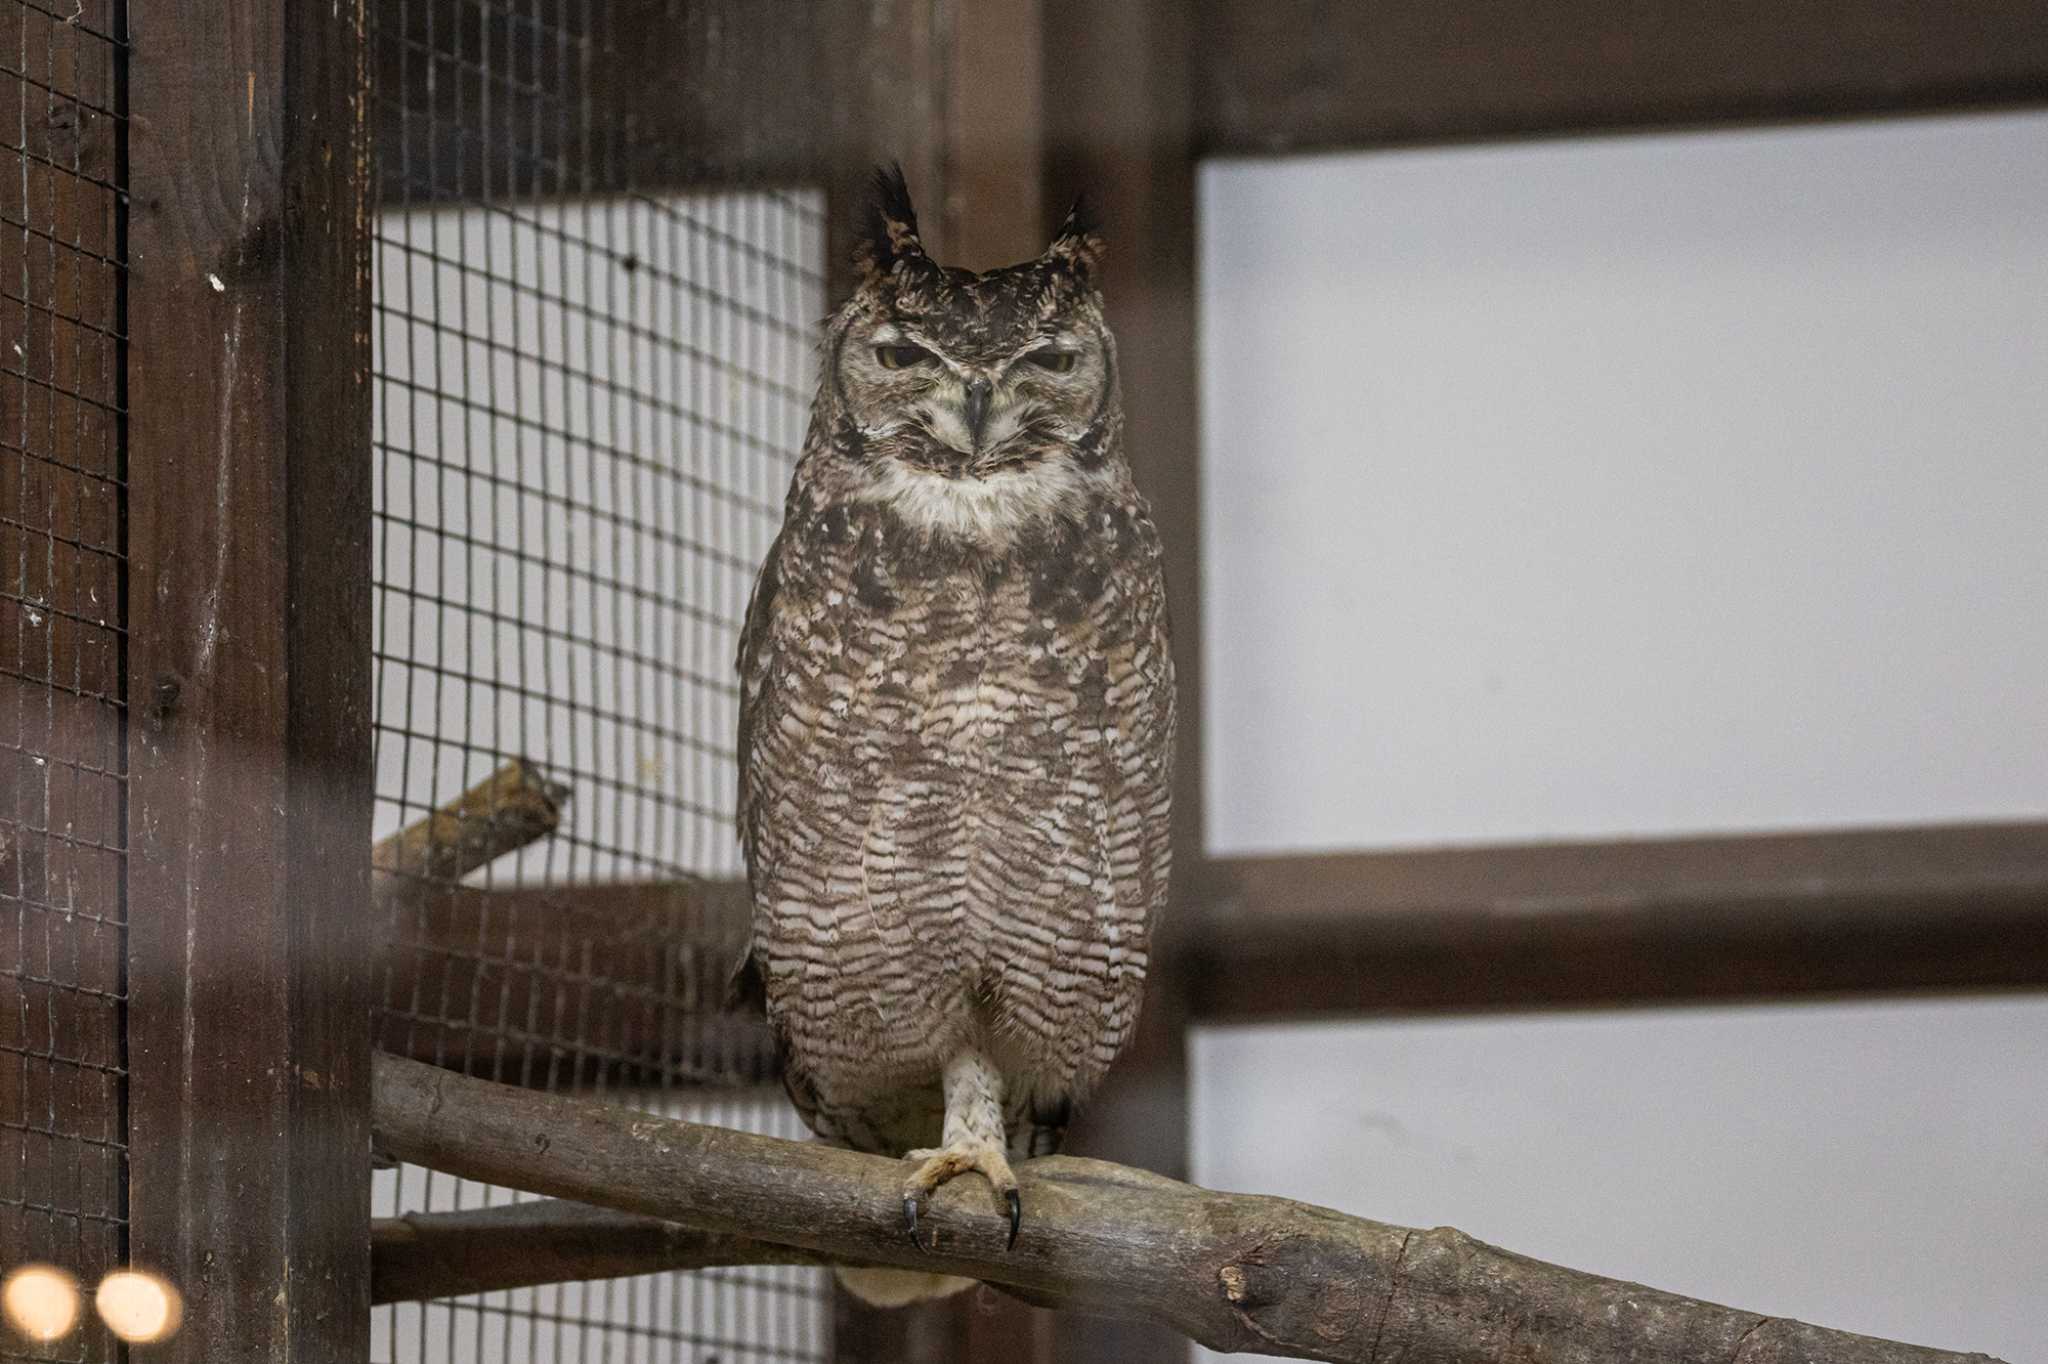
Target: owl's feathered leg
(974, 1139)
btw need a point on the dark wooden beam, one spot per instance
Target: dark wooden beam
(249, 671)
(421, 1256)
(488, 101)
(62, 627)
(1573, 924)
(1294, 75)
(1652, 922)
(994, 209)
(1119, 110)
(962, 99)
(653, 95)
(561, 987)
(885, 71)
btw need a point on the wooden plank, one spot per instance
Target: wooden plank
(249, 667)
(62, 1119)
(1649, 922)
(1292, 75)
(952, 90)
(493, 101)
(724, 91)
(993, 211)
(883, 64)
(1119, 125)
(1755, 916)
(417, 1257)
(565, 987)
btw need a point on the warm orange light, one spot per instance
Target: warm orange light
(40, 1301)
(139, 1307)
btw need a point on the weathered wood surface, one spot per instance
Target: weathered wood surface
(1292, 75)
(248, 657)
(446, 1254)
(62, 624)
(1755, 916)
(1119, 111)
(514, 806)
(490, 981)
(1233, 1271)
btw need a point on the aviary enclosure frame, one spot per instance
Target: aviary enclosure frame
(193, 942)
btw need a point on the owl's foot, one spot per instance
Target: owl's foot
(936, 1166)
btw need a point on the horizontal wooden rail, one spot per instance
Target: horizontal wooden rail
(447, 1254)
(1773, 916)
(1770, 916)
(1289, 75)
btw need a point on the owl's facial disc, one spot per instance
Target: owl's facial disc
(977, 408)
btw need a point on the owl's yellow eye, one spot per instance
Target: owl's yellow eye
(1052, 358)
(901, 357)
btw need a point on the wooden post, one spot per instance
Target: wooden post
(1118, 125)
(249, 670)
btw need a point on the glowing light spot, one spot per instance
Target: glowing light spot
(139, 1307)
(40, 1301)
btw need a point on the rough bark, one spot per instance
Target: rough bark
(514, 806)
(1233, 1271)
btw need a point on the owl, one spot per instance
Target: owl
(957, 717)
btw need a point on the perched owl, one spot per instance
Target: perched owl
(957, 716)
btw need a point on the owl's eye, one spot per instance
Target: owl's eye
(901, 357)
(1052, 358)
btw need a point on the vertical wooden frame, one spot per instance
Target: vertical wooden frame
(1031, 102)
(249, 670)
(1119, 125)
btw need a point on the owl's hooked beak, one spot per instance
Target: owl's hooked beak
(967, 421)
(979, 392)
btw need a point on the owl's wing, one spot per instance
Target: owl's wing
(757, 649)
(745, 991)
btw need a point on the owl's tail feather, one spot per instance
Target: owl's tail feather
(899, 1287)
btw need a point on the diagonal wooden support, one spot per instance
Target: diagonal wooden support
(446, 1254)
(1233, 1271)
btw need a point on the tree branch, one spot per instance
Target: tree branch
(1234, 1271)
(514, 806)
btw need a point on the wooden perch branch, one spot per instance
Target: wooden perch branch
(507, 810)
(447, 1254)
(1234, 1271)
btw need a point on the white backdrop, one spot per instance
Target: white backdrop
(1880, 1168)
(1636, 485)
(1642, 486)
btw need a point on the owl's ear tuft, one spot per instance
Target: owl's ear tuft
(887, 232)
(1077, 247)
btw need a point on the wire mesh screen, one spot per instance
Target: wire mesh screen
(63, 1127)
(587, 402)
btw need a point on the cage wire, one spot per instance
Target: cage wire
(587, 401)
(63, 774)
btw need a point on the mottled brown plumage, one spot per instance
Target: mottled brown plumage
(957, 715)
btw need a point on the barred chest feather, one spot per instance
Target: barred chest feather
(1023, 567)
(957, 714)
(959, 758)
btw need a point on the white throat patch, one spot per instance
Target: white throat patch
(991, 509)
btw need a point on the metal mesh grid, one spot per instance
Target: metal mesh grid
(63, 1126)
(587, 402)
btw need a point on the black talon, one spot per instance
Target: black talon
(1016, 1216)
(910, 1219)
